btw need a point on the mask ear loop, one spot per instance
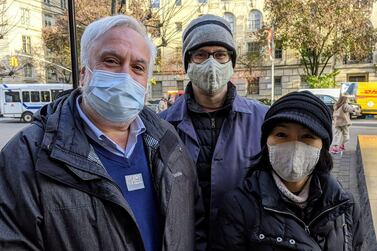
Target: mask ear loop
(87, 67)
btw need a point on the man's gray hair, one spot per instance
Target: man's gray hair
(96, 29)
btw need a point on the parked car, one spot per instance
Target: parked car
(330, 101)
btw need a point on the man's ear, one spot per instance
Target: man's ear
(82, 75)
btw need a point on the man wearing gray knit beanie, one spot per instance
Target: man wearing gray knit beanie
(220, 129)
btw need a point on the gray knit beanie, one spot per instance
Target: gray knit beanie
(205, 31)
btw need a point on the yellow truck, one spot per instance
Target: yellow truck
(365, 94)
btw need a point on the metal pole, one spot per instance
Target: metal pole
(273, 66)
(72, 40)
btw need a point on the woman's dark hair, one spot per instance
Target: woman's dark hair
(261, 161)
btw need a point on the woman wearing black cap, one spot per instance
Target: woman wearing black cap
(289, 200)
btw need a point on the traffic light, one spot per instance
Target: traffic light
(13, 61)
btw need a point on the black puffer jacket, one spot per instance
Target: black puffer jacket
(256, 217)
(56, 195)
(207, 127)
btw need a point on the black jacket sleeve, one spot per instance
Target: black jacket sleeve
(358, 228)
(231, 225)
(20, 215)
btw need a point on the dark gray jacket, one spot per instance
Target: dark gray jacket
(56, 195)
(257, 217)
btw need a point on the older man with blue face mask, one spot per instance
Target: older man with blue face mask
(96, 170)
(220, 129)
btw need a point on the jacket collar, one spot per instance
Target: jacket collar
(179, 109)
(324, 188)
(65, 137)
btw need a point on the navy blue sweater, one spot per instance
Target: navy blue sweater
(134, 178)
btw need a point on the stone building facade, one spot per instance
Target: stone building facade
(23, 58)
(245, 16)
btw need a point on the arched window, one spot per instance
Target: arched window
(231, 19)
(255, 20)
(28, 71)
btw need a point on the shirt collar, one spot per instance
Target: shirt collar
(137, 127)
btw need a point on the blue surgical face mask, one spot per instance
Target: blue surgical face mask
(117, 97)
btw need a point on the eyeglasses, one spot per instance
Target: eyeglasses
(199, 56)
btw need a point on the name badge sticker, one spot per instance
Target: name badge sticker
(134, 182)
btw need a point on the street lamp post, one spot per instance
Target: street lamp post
(72, 39)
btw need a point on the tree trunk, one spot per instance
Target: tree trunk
(113, 7)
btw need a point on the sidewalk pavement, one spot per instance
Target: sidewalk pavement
(345, 170)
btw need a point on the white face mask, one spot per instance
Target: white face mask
(117, 97)
(210, 76)
(293, 160)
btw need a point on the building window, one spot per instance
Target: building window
(25, 16)
(63, 4)
(178, 2)
(255, 20)
(51, 74)
(180, 85)
(253, 86)
(254, 48)
(178, 26)
(277, 86)
(46, 1)
(357, 78)
(157, 90)
(26, 44)
(202, 1)
(47, 20)
(278, 49)
(231, 19)
(155, 3)
(28, 71)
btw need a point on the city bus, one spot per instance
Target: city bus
(22, 100)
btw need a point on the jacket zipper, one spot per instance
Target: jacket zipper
(301, 221)
(345, 233)
(213, 123)
(292, 215)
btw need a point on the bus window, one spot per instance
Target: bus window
(12, 97)
(35, 96)
(55, 92)
(45, 96)
(26, 96)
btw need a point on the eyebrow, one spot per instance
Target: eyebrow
(112, 52)
(141, 61)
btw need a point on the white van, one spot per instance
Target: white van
(22, 100)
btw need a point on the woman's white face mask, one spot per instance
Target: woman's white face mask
(293, 160)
